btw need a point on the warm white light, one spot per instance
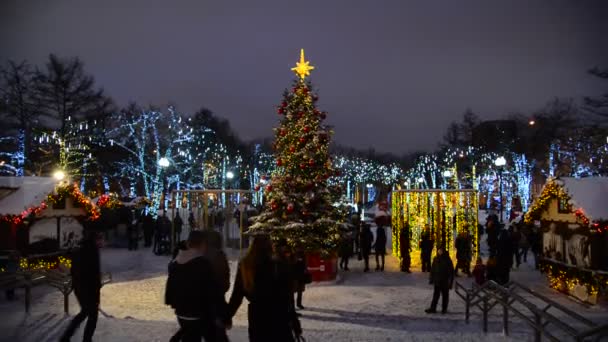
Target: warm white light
(59, 175)
(406, 183)
(500, 161)
(420, 180)
(229, 175)
(447, 173)
(263, 181)
(532, 122)
(163, 162)
(370, 185)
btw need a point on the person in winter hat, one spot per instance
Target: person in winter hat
(442, 278)
(86, 281)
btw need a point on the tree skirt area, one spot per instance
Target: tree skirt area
(361, 306)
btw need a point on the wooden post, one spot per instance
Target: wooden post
(485, 314)
(505, 315)
(538, 327)
(467, 307)
(66, 302)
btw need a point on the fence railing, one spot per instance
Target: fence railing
(532, 309)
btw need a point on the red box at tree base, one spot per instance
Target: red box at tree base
(322, 269)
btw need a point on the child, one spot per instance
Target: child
(479, 272)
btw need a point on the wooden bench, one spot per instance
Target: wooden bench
(25, 280)
(62, 281)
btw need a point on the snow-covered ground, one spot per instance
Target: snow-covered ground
(361, 306)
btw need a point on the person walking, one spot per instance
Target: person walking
(426, 249)
(479, 272)
(148, 227)
(86, 282)
(463, 253)
(442, 278)
(366, 237)
(504, 257)
(267, 285)
(404, 248)
(534, 239)
(221, 269)
(345, 250)
(193, 292)
(177, 228)
(515, 240)
(380, 248)
(302, 277)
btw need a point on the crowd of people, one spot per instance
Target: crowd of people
(273, 275)
(268, 276)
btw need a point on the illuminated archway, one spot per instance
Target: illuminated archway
(446, 212)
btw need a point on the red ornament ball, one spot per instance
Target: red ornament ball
(290, 207)
(279, 162)
(269, 188)
(280, 111)
(302, 166)
(306, 129)
(292, 149)
(311, 162)
(283, 132)
(302, 140)
(300, 114)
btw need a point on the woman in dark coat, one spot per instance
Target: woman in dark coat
(346, 250)
(380, 247)
(266, 283)
(404, 248)
(366, 238)
(300, 270)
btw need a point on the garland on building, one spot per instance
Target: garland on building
(551, 191)
(79, 199)
(109, 201)
(564, 278)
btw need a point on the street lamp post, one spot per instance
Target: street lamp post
(446, 175)
(500, 162)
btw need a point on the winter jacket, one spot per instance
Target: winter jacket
(463, 248)
(479, 272)
(300, 270)
(270, 313)
(178, 223)
(442, 270)
(380, 244)
(404, 241)
(221, 268)
(366, 237)
(426, 245)
(346, 245)
(86, 272)
(191, 287)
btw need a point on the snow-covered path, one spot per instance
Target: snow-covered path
(372, 306)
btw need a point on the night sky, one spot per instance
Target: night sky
(391, 74)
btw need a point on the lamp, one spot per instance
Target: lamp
(229, 175)
(163, 162)
(59, 175)
(500, 162)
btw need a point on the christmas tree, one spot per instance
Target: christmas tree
(299, 202)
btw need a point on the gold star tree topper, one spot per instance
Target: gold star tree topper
(302, 68)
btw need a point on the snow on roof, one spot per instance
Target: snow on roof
(31, 191)
(588, 194)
